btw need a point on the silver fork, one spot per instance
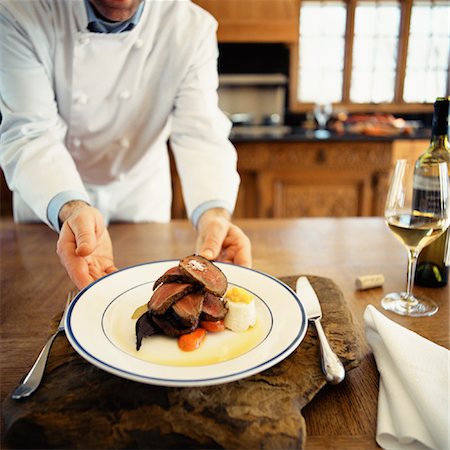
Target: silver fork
(33, 378)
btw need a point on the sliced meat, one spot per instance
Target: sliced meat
(182, 295)
(145, 327)
(204, 272)
(168, 293)
(173, 275)
(213, 308)
(188, 308)
(171, 325)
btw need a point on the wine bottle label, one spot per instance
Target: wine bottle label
(427, 194)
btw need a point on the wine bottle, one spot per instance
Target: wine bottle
(433, 263)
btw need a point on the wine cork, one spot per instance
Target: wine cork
(369, 281)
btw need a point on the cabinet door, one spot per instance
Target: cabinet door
(409, 149)
(255, 20)
(246, 204)
(310, 178)
(5, 197)
(315, 194)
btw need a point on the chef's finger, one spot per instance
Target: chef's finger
(237, 247)
(85, 228)
(111, 269)
(76, 267)
(243, 257)
(96, 271)
(80, 276)
(213, 239)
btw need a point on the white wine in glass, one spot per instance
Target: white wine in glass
(417, 215)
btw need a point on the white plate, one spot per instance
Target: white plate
(100, 328)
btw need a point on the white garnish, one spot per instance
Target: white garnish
(196, 265)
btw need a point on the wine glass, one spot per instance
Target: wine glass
(322, 113)
(417, 212)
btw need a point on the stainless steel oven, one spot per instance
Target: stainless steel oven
(255, 103)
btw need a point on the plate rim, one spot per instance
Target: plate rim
(210, 380)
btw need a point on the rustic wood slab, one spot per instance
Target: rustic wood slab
(81, 406)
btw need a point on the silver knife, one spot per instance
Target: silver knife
(331, 365)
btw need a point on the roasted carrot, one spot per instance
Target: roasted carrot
(191, 341)
(212, 326)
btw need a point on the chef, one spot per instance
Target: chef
(91, 92)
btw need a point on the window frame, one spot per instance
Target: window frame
(397, 105)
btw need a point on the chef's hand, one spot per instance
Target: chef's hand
(221, 240)
(84, 246)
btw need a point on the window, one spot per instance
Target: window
(372, 54)
(322, 26)
(428, 51)
(375, 46)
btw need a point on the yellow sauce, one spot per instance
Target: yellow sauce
(237, 344)
(139, 311)
(164, 350)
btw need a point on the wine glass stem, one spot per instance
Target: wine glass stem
(412, 260)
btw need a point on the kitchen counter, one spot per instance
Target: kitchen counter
(284, 133)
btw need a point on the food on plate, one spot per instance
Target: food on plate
(182, 296)
(191, 341)
(173, 275)
(213, 308)
(378, 125)
(144, 327)
(212, 326)
(166, 295)
(241, 313)
(205, 273)
(189, 308)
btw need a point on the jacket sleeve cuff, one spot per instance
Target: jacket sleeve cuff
(58, 201)
(203, 207)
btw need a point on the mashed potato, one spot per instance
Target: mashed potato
(241, 313)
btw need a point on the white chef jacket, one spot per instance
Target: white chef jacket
(92, 113)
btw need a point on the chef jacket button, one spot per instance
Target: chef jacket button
(82, 99)
(138, 43)
(125, 143)
(84, 40)
(122, 176)
(76, 142)
(124, 95)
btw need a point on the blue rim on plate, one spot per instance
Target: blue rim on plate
(87, 315)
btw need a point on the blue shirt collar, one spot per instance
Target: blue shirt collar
(99, 25)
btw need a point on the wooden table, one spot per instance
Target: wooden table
(34, 287)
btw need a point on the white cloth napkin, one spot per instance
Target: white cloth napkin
(413, 402)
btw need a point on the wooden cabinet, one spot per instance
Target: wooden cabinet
(290, 194)
(313, 179)
(255, 20)
(310, 179)
(409, 149)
